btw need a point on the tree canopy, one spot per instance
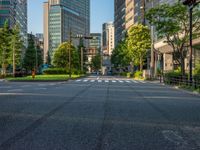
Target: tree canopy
(172, 24)
(96, 62)
(139, 42)
(61, 56)
(30, 55)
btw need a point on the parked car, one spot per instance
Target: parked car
(19, 73)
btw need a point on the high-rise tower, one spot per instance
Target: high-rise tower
(15, 12)
(62, 17)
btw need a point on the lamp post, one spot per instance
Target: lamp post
(191, 4)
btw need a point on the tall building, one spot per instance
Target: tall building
(119, 19)
(108, 44)
(95, 42)
(94, 48)
(108, 38)
(127, 13)
(62, 17)
(15, 12)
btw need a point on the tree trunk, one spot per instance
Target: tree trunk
(141, 64)
(14, 66)
(182, 65)
(4, 69)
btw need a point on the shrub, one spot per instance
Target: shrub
(174, 77)
(123, 74)
(197, 73)
(138, 74)
(51, 71)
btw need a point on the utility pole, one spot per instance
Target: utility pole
(152, 48)
(82, 58)
(191, 4)
(70, 42)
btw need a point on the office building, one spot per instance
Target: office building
(119, 20)
(127, 13)
(95, 42)
(108, 38)
(108, 43)
(15, 12)
(62, 17)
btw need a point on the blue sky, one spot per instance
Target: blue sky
(101, 11)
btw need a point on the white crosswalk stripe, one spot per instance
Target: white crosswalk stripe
(107, 81)
(135, 81)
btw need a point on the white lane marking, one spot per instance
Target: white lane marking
(135, 81)
(6, 87)
(114, 81)
(78, 80)
(141, 81)
(99, 81)
(92, 80)
(121, 81)
(41, 84)
(106, 81)
(23, 86)
(85, 80)
(15, 90)
(40, 88)
(128, 81)
(52, 84)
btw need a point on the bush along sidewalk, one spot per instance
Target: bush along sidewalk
(45, 78)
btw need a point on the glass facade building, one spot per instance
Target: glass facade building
(119, 19)
(95, 43)
(15, 12)
(65, 16)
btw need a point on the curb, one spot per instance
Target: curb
(194, 93)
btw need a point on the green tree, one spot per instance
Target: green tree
(139, 41)
(5, 48)
(96, 62)
(30, 55)
(16, 47)
(39, 59)
(61, 56)
(172, 24)
(119, 55)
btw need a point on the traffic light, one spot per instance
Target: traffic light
(188, 2)
(88, 37)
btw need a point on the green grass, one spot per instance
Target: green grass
(43, 78)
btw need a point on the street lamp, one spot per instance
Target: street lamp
(191, 4)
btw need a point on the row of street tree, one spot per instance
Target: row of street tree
(13, 52)
(133, 50)
(172, 25)
(10, 47)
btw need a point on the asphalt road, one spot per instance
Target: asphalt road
(98, 113)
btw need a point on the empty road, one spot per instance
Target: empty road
(97, 113)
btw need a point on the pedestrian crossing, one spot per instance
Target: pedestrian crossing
(108, 81)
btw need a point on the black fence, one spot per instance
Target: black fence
(182, 81)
